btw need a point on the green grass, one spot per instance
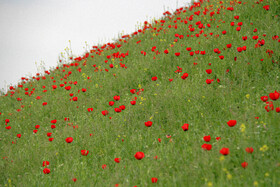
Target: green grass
(169, 105)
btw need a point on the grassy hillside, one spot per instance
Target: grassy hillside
(190, 99)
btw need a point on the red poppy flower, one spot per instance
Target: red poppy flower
(185, 127)
(218, 138)
(177, 54)
(133, 91)
(75, 98)
(117, 97)
(264, 98)
(105, 112)
(46, 163)
(154, 180)
(236, 17)
(244, 164)
(208, 81)
(274, 96)
(207, 147)
(154, 78)
(231, 123)
(111, 103)
(122, 107)
(224, 151)
(84, 152)
(170, 80)
(228, 45)
(249, 150)
(269, 106)
(67, 87)
(207, 138)
(74, 179)
(166, 51)
(148, 124)
(18, 135)
(277, 109)
(132, 102)
(118, 110)
(90, 109)
(209, 71)
(51, 139)
(44, 103)
(184, 76)
(46, 171)
(188, 48)
(54, 121)
(139, 155)
(239, 49)
(69, 139)
(54, 86)
(104, 166)
(266, 7)
(117, 160)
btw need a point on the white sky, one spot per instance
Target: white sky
(39, 30)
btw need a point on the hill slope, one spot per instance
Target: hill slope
(190, 99)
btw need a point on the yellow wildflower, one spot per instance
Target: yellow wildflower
(229, 176)
(266, 174)
(242, 127)
(264, 148)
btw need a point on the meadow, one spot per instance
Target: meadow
(189, 99)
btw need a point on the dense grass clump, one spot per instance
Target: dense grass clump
(190, 99)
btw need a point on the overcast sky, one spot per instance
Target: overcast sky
(39, 30)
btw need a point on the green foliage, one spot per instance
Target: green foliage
(207, 108)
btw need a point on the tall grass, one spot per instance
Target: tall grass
(171, 91)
